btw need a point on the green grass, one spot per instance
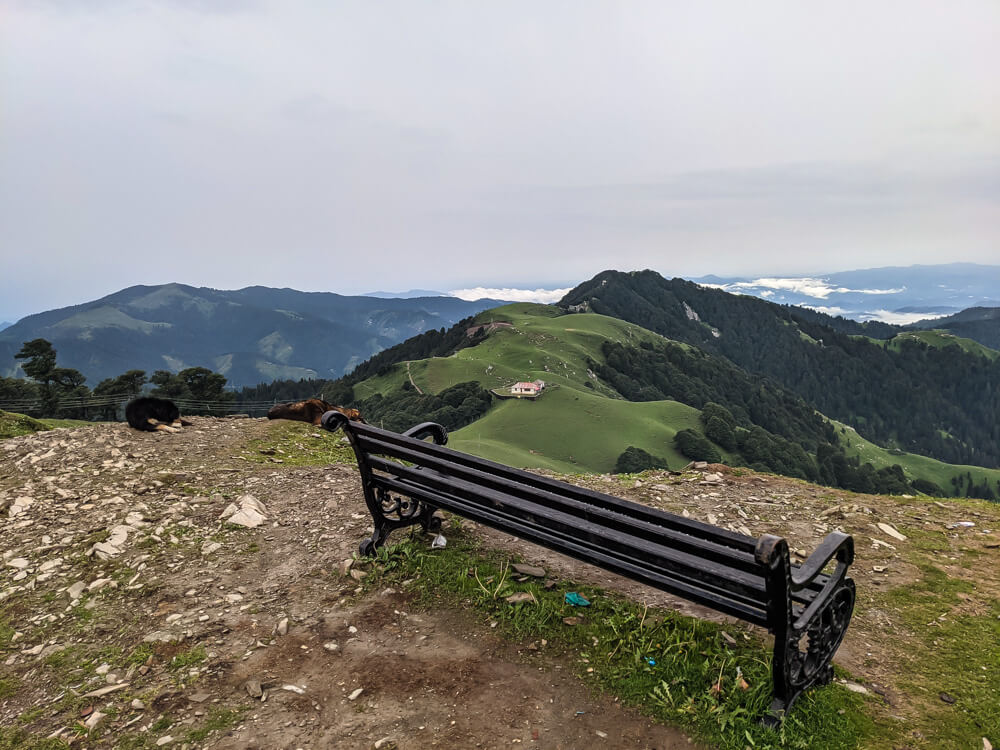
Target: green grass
(914, 466)
(217, 719)
(17, 739)
(188, 658)
(8, 687)
(953, 648)
(13, 425)
(580, 425)
(576, 431)
(676, 669)
(942, 339)
(297, 444)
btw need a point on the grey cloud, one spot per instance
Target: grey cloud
(357, 145)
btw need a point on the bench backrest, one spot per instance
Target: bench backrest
(695, 560)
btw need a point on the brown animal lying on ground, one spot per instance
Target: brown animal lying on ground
(310, 410)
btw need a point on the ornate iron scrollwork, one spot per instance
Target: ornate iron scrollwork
(807, 653)
(394, 511)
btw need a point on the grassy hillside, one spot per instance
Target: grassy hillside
(941, 339)
(580, 424)
(572, 431)
(13, 424)
(915, 467)
(573, 427)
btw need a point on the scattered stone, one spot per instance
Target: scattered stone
(209, 547)
(602, 735)
(987, 745)
(247, 517)
(358, 575)
(946, 698)
(530, 570)
(728, 638)
(160, 636)
(891, 531)
(384, 744)
(855, 687)
(521, 597)
(106, 690)
(138, 705)
(253, 688)
(345, 566)
(164, 741)
(101, 583)
(18, 562)
(76, 590)
(572, 620)
(356, 694)
(282, 628)
(331, 646)
(294, 689)
(50, 564)
(199, 697)
(94, 719)
(105, 551)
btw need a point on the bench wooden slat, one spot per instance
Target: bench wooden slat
(366, 433)
(641, 528)
(748, 588)
(628, 567)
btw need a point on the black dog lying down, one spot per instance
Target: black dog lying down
(151, 414)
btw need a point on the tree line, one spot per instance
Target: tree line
(758, 423)
(60, 392)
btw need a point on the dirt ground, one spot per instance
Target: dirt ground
(131, 602)
(261, 622)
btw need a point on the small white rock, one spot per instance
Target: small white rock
(355, 694)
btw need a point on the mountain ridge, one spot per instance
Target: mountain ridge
(251, 334)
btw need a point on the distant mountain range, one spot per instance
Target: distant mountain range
(898, 295)
(412, 293)
(5, 324)
(676, 371)
(249, 335)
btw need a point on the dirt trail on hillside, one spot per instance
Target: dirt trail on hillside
(130, 608)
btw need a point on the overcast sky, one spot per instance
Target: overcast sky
(355, 146)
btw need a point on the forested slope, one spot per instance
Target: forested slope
(940, 402)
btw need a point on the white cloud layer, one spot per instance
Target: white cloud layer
(827, 310)
(543, 296)
(817, 288)
(901, 319)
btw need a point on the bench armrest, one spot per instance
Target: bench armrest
(836, 544)
(333, 420)
(428, 429)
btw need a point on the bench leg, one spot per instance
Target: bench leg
(390, 512)
(803, 657)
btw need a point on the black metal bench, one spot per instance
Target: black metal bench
(406, 479)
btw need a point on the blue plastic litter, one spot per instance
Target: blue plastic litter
(576, 600)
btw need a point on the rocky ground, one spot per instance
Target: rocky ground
(172, 590)
(160, 590)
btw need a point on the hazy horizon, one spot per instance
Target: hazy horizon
(359, 146)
